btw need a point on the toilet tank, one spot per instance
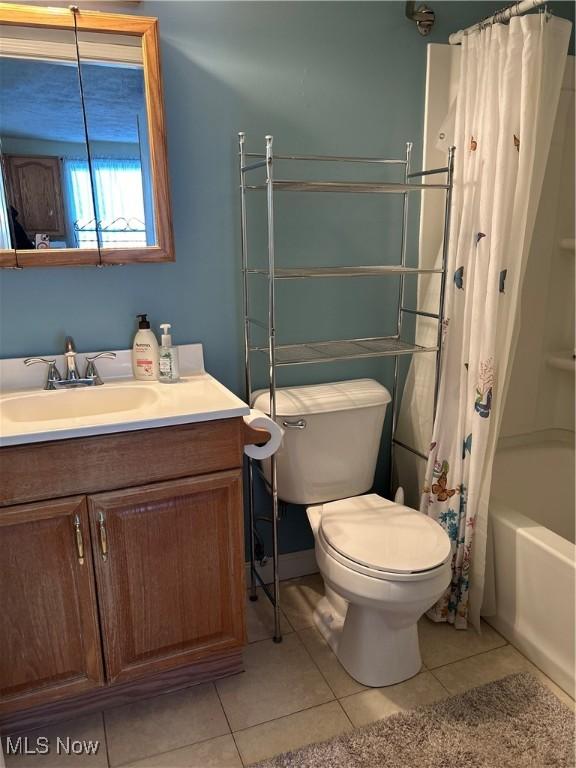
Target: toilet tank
(331, 438)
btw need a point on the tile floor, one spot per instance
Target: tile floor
(291, 694)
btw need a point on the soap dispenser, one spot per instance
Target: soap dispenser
(145, 352)
(169, 370)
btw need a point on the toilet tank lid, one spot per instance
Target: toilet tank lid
(323, 398)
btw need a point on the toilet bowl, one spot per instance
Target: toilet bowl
(375, 591)
(383, 564)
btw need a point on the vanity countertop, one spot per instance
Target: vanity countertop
(30, 414)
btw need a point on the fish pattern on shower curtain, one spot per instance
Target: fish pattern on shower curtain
(510, 79)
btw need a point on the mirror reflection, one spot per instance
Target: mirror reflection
(74, 138)
(41, 132)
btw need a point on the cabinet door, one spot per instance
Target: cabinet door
(170, 572)
(36, 193)
(49, 637)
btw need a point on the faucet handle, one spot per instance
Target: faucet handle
(53, 372)
(91, 371)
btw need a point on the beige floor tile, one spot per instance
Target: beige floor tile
(291, 732)
(299, 597)
(485, 668)
(442, 644)
(163, 723)
(481, 669)
(215, 753)
(70, 733)
(337, 677)
(376, 703)
(260, 619)
(279, 679)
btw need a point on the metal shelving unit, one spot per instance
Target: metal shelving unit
(313, 352)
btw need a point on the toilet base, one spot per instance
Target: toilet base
(329, 623)
(371, 651)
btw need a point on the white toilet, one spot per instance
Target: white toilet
(383, 564)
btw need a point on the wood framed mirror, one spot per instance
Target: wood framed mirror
(83, 159)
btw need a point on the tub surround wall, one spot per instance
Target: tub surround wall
(541, 391)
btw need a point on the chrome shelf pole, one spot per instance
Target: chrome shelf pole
(272, 379)
(445, 247)
(247, 360)
(400, 315)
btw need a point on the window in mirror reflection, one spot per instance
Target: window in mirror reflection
(117, 127)
(117, 188)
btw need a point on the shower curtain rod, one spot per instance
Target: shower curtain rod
(500, 16)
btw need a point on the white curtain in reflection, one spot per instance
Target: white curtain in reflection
(80, 209)
(119, 202)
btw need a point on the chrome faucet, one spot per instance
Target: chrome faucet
(54, 380)
(70, 355)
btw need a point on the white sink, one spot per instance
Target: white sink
(75, 403)
(30, 414)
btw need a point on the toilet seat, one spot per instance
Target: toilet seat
(382, 539)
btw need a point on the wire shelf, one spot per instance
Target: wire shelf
(347, 349)
(284, 185)
(331, 158)
(295, 273)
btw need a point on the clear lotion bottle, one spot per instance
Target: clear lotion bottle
(169, 369)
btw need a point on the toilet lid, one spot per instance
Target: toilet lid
(383, 535)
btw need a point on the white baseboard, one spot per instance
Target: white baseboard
(291, 566)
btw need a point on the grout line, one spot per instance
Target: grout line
(288, 714)
(222, 707)
(238, 750)
(448, 691)
(181, 746)
(346, 715)
(314, 661)
(472, 656)
(289, 631)
(173, 749)
(299, 579)
(291, 714)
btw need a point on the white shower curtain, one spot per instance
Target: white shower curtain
(510, 78)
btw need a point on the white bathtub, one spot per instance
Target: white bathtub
(534, 556)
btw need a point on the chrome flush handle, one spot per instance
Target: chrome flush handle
(300, 424)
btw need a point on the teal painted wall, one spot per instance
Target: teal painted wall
(322, 77)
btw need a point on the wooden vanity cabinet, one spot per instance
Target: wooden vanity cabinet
(50, 639)
(118, 593)
(169, 568)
